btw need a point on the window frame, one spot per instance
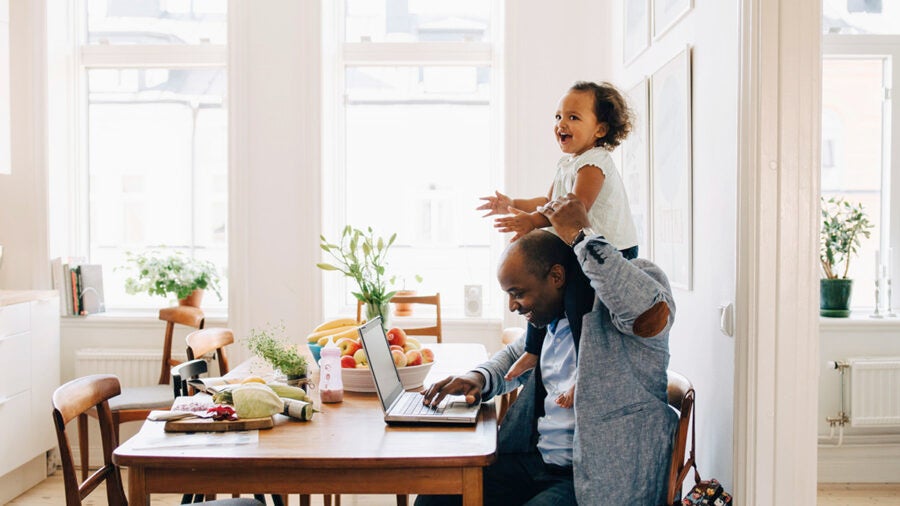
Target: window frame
(84, 58)
(343, 54)
(850, 46)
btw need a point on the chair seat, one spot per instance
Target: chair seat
(152, 397)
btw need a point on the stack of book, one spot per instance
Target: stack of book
(80, 286)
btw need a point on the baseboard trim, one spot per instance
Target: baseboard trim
(19, 480)
(859, 462)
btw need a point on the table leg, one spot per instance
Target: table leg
(137, 487)
(473, 491)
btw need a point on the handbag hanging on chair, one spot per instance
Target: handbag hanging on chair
(705, 492)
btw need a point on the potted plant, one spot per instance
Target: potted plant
(362, 256)
(843, 225)
(284, 357)
(161, 273)
(404, 308)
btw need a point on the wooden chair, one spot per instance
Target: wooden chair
(508, 335)
(135, 403)
(204, 341)
(74, 399)
(681, 397)
(435, 330)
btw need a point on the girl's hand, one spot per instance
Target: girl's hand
(519, 223)
(498, 204)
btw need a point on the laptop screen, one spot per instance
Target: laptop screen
(378, 352)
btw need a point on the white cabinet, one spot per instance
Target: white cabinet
(29, 373)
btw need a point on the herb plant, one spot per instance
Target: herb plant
(277, 351)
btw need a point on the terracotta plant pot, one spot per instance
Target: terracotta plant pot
(403, 308)
(194, 299)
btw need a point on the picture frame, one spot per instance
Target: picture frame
(636, 165)
(671, 173)
(667, 13)
(636, 29)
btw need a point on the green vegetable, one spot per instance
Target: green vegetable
(289, 392)
(255, 400)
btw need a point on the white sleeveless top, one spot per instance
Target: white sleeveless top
(610, 215)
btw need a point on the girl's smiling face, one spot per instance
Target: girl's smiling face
(577, 128)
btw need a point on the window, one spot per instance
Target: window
(412, 141)
(858, 141)
(150, 84)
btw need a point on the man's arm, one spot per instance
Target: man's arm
(636, 292)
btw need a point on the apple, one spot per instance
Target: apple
(360, 358)
(412, 344)
(348, 346)
(427, 355)
(348, 362)
(398, 348)
(399, 358)
(413, 357)
(396, 336)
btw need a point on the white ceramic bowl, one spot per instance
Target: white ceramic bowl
(360, 379)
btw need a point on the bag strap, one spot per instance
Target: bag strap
(692, 459)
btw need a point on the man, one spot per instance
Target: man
(614, 447)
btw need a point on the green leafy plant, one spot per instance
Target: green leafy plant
(268, 344)
(843, 225)
(164, 272)
(361, 256)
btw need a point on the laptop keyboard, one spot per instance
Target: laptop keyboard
(411, 404)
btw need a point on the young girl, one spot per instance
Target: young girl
(591, 120)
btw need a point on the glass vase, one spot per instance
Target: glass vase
(383, 310)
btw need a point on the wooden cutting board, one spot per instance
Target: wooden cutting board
(210, 425)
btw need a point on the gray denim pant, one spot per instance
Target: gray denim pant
(517, 479)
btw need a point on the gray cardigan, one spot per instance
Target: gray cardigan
(623, 424)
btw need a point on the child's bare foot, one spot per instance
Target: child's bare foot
(566, 399)
(525, 363)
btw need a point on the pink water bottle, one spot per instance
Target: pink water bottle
(331, 388)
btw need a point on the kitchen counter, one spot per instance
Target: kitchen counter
(9, 297)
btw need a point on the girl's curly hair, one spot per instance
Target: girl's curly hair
(611, 108)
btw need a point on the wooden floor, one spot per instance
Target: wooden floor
(50, 493)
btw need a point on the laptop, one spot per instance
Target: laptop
(399, 405)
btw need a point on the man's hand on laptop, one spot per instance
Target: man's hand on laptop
(469, 385)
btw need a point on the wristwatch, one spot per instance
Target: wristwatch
(584, 232)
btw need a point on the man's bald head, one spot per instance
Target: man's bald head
(540, 250)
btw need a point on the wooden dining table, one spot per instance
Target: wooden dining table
(345, 449)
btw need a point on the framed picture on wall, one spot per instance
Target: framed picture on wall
(668, 12)
(636, 165)
(670, 141)
(636, 29)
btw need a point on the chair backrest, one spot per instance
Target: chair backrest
(183, 372)
(71, 400)
(183, 315)
(201, 342)
(509, 335)
(681, 397)
(435, 330)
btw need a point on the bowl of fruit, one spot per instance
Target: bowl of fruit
(413, 361)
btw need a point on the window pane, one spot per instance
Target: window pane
(852, 147)
(418, 20)
(418, 154)
(156, 22)
(157, 168)
(861, 16)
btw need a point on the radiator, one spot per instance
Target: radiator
(134, 367)
(874, 391)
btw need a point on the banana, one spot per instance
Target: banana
(341, 331)
(339, 322)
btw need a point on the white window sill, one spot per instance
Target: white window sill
(860, 319)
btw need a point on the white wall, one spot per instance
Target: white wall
(699, 350)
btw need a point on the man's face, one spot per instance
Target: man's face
(538, 298)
